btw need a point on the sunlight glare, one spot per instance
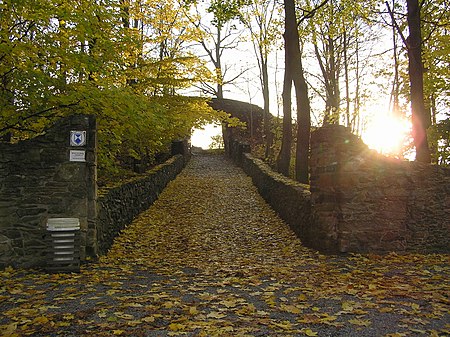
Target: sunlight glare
(386, 134)
(202, 137)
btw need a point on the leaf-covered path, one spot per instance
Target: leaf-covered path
(210, 258)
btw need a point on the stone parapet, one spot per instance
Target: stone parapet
(117, 206)
(290, 199)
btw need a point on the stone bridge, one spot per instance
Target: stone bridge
(358, 201)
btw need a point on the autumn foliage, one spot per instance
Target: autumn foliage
(61, 58)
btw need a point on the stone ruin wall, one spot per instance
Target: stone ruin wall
(365, 202)
(358, 200)
(37, 182)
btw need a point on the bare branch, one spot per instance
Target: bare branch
(391, 13)
(308, 14)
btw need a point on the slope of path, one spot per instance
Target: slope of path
(211, 258)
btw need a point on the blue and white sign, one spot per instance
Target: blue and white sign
(77, 138)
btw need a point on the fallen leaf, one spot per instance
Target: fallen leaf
(118, 332)
(360, 322)
(309, 332)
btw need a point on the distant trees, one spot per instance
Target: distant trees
(216, 33)
(425, 82)
(339, 41)
(335, 39)
(262, 19)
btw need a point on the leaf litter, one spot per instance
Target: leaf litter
(211, 258)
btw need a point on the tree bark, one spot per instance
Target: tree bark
(284, 157)
(266, 97)
(294, 72)
(420, 118)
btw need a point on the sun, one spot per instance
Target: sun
(386, 134)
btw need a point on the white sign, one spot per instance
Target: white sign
(77, 155)
(77, 138)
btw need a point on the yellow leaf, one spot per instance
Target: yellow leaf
(118, 332)
(230, 303)
(176, 326)
(216, 314)
(327, 318)
(62, 324)
(302, 297)
(112, 319)
(9, 329)
(360, 322)
(291, 309)
(135, 305)
(347, 306)
(168, 305)
(102, 314)
(415, 307)
(193, 311)
(148, 319)
(423, 332)
(123, 315)
(286, 325)
(309, 332)
(248, 309)
(40, 320)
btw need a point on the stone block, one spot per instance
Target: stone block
(27, 210)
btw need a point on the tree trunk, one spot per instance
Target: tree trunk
(303, 127)
(125, 13)
(284, 157)
(396, 85)
(420, 120)
(218, 64)
(267, 122)
(294, 69)
(347, 83)
(333, 90)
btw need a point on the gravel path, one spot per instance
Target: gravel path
(211, 258)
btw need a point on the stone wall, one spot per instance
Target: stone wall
(365, 202)
(252, 115)
(359, 200)
(44, 178)
(38, 181)
(290, 199)
(117, 206)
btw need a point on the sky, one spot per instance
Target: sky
(202, 138)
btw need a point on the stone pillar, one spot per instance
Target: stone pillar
(181, 146)
(80, 178)
(331, 147)
(48, 176)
